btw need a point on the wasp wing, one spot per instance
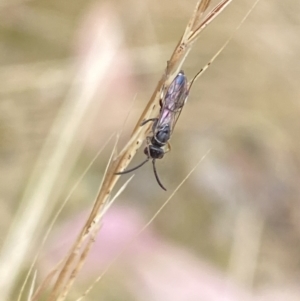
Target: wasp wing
(173, 102)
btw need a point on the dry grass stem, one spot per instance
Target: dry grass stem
(80, 263)
(75, 259)
(31, 290)
(55, 162)
(192, 31)
(46, 282)
(54, 271)
(76, 249)
(143, 228)
(91, 239)
(202, 70)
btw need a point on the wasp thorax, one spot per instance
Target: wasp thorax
(163, 135)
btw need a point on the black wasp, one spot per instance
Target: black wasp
(163, 126)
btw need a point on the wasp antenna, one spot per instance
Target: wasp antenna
(156, 176)
(132, 169)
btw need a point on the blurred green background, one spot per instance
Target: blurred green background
(72, 71)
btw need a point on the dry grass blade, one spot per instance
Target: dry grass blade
(79, 264)
(46, 282)
(199, 10)
(31, 290)
(117, 194)
(202, 70)
(144, 228)
(190, 35)
(56, 158)
(77, 246)
(40, 288)
(91, 240)
(209, 18)
(138, 136)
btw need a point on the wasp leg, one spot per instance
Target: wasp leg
(155, 120)
(160, 102)
(148, 120)
(148, 142)
(168, 148)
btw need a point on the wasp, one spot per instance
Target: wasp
(170, 109)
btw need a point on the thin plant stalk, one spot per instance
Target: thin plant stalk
(144, 227)
(62, 206)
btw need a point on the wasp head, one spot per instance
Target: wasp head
(154, 152)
